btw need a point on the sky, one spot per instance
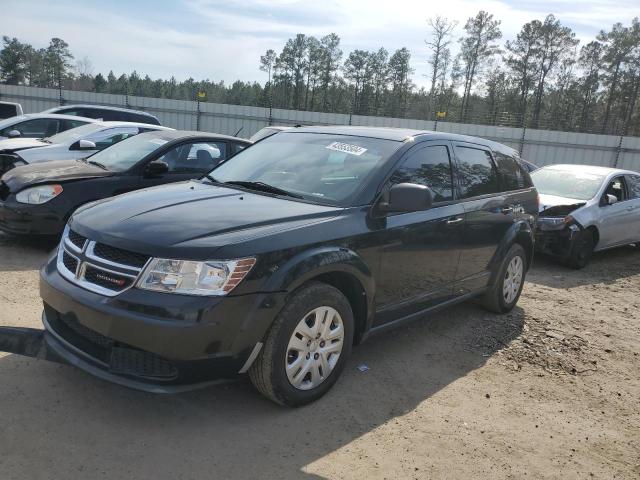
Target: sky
(223, 40)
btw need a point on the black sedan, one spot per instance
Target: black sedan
(38, 199)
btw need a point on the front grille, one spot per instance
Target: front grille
(71, 263)
(128, 361)
(107, 279)
(98, 267)
(77, 239)
(117, 255)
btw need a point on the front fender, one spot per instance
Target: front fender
(312, 263)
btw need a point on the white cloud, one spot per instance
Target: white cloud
(224, 39)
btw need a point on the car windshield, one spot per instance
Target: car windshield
(125, 154)
(319, 167)
(74, 134)
(567, 183)
(264, 133)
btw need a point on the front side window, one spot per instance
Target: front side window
(617, 188)
(477, 173)
(429, 166)
(36, 128)
(326, 168)
(194, 157)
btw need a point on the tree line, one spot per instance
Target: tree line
(542, 78)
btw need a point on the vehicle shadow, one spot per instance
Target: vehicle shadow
(67, 423)
(605, 267)
(24, 253)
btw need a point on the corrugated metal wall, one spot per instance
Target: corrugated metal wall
(543, 147)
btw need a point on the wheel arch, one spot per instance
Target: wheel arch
(339, 267)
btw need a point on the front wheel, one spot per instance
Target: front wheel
(506, 290)
(581, 251)
(306, 347)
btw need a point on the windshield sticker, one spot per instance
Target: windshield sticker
(346, 148)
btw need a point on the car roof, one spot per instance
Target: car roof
(593, 169)
(402, 134)
(111, 124)
(169, 135)
(59, 116)
(101, 107)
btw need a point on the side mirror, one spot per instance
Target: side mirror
(14, 134)
(86, 145)
(156, 168)
(407, 197)
(610, 199)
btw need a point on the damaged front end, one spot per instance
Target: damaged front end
(557, 230)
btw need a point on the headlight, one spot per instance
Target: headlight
(38, 195)
(554, 223)
(194, 278)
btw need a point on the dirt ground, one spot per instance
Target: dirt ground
(551, 390)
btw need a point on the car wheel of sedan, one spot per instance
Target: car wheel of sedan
(504, 294)
(582, 250)
(306, 347)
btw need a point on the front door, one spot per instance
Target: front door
(488, 215)
(420, 250)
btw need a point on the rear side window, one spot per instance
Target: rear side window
(429, 166)
(477, 173)
(512, 176)
(633, 182)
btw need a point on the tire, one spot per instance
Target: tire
(581, 250)
(500, 298)
(273, 373)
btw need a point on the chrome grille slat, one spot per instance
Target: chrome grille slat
(104, 276)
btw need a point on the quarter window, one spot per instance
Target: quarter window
(511, 173)
(477, 173)
(428, 166)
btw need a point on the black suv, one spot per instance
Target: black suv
(106, 113)
(282, 258)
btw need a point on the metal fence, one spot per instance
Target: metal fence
(542, 147)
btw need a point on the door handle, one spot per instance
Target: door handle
(453, 221)
(507, 210)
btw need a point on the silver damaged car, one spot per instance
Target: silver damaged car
(585, 209)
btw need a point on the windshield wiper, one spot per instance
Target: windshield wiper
(97, 164)
(263, 187)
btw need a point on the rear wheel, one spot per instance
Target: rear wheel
(505, 292)
(306, 347)
(582, 250)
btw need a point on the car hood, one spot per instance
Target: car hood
(192, 219)
(556, 206)
(51, 172)
(15, 144)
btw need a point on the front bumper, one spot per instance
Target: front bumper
(156, 342)
(24, 219)
(558, 243)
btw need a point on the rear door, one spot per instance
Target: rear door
(420, 250)
(488, 214)
(633, 190)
